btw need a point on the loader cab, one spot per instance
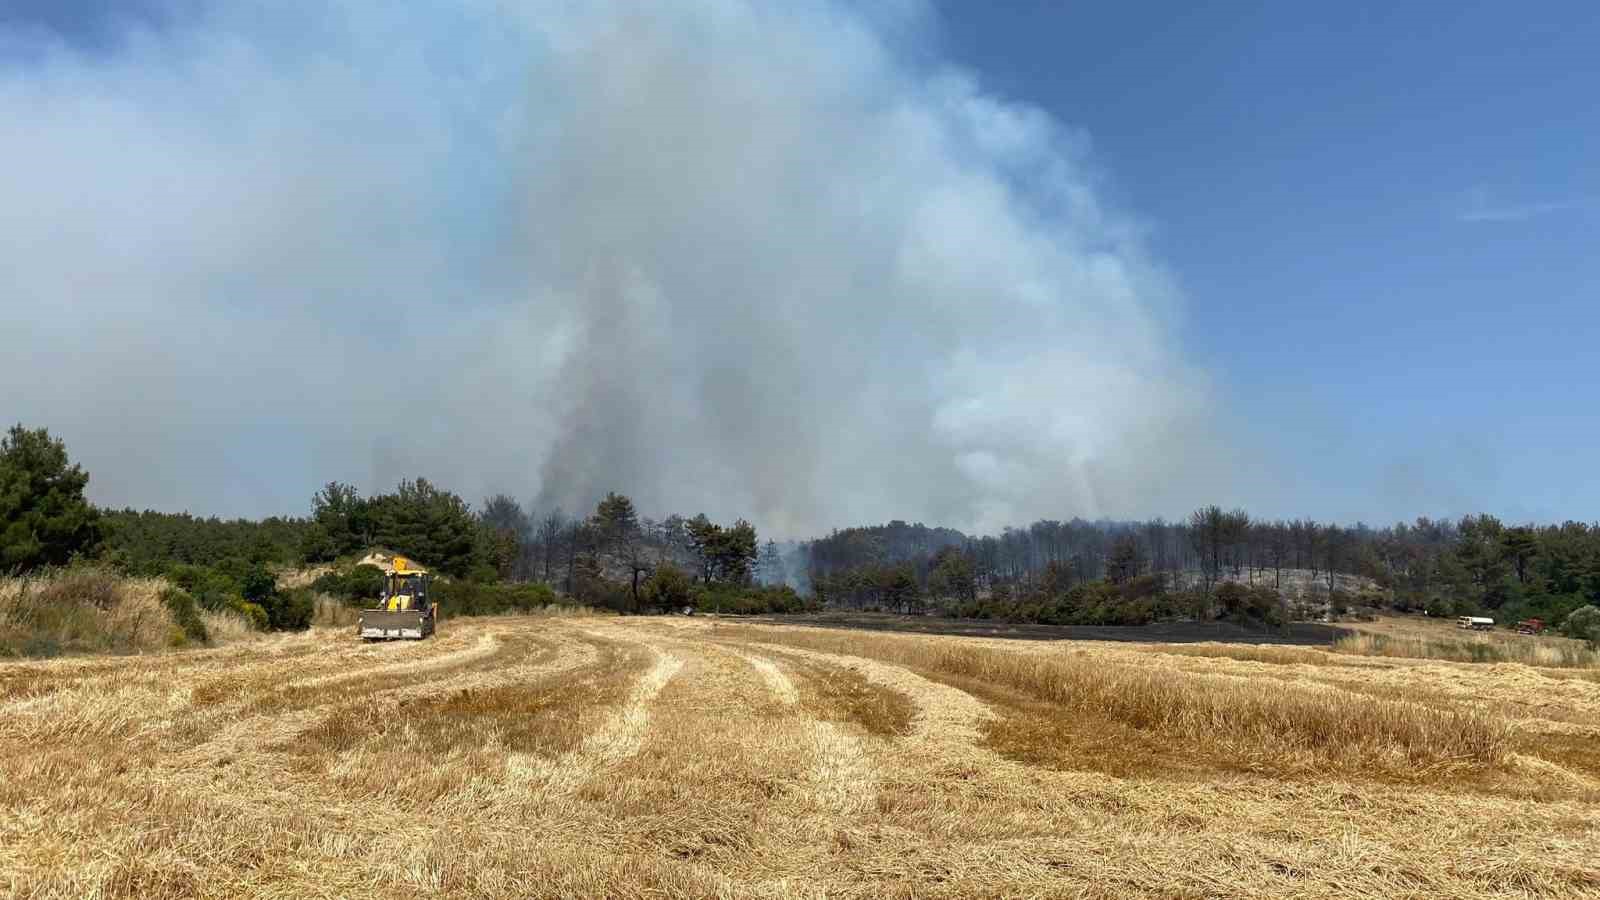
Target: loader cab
(407, 587)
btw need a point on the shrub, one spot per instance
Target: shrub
(594, 589)
(253, 613)
(186, 614)
(82, 609)
(1583, 623)
(82, 587)
(667, 588)
(1440, 607)
(212, 589)
(747, 599)
(1139, 601)
(364, 582)
(359, 584)
(290, 610)
(471, 598)
(258, 584)
(331, 583)
(1551, 608)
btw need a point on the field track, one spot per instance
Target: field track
(657, 757)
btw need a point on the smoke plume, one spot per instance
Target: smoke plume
(764, 259)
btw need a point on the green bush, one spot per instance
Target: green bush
(290, 610)
(258, 584)
(253, 613)
(1247, 605)
(591, 587)
(331, 583)
(212, 589)
(364, 582)
(1550, 608)
(357, 585)
(1583, 623)
(472, 598)
(1440, 608)
(747, 599)
(186, 613)
(1139, 601)
(667, 588)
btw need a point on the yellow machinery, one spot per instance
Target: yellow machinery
(405, 608)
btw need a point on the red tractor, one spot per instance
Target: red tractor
(1530, 626)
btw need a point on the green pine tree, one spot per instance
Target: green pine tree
(44, 518)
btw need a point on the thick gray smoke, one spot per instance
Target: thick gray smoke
(751, 258)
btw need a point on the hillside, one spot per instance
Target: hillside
(1305, 590)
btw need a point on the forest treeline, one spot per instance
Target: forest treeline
(1469, 566)
(497, 556)
(501, 555)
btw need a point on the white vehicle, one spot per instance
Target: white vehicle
(1476, 623)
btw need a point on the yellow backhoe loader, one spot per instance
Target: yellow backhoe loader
(406, 610)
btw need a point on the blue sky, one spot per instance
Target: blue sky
(1385, 219)
(1379, 222)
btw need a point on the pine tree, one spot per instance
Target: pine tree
(1126, 561)
(44, 518)
(617, 522)
(771, 565)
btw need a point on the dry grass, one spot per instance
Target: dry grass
(95, 611)
(843, 693)
(228, 628)
(570, 756)
(1482, 647)
(327, 612)
(83, 611)
(1266, 720)
(1264, 653)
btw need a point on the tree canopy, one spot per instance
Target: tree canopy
(44, 518)
(429, 523)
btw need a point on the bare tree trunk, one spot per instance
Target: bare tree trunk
(572, 557)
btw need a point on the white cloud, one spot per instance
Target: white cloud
(1479, 205)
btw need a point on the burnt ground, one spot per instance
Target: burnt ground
(1301, 634)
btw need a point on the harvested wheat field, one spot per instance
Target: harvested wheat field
(685, 758)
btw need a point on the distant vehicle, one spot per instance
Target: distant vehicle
(1476, 623)
(404, 611)
(1531, 626)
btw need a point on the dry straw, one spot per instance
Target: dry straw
(574, 756)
